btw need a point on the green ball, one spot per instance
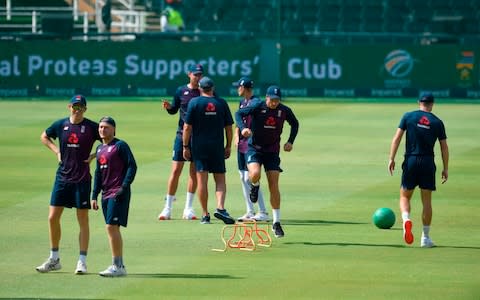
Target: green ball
(384, 218)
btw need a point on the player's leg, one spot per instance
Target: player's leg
(426, 195)
(188, 212)
(172, 185)
(220, 193)
(405, 197)
(83, 237)
(54, 216)
(202, 191)
(273, 178)
(243, 171)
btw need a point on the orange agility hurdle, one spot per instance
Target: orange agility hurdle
(244, 236)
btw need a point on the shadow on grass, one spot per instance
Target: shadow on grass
(320, 222)
(376, 245)
(345, 244)
(179, 275)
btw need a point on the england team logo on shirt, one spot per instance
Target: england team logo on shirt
(270, 123)
(424, 122)
(210, 109)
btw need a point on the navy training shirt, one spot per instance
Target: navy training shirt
(208, 116)
(423, 129)
(182, 97)
(76, 142)
(267, 125)
(247, 120)
(116, 167)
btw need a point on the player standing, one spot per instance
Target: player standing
(267, 119)
(115, 172)
(76, 136)
(208, 117)
(182, 97)
(423, 129)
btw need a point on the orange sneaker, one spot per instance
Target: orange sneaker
(407, 232)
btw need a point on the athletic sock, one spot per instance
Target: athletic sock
(83, 256)
(405, 216)
(117, 261)
(276, 215)
(169, 201)
(54, 254)
(426, 230)
(189, 202)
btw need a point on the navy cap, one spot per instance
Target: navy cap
(245, 82)
(78, 99)
(108, 120)
(196, 69)
(274, 92)
(426, 97)
(205, 83)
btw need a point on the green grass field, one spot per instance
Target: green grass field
(333, 181)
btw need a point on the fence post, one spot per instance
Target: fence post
(34, 22)
(85, 26)
(9, 10)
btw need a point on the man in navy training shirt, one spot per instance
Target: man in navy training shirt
(182, 97)
(208, 117)
(245, 90)
(265, 132)
(76, 136)
(423, 129)
(115, 172)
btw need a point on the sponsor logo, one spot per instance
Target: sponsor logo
(424, 122)
(210, 109)
(270, 123)
(102, 160)
(73, 140)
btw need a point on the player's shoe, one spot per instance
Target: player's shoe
(114, 271)
(189, 214)
(261, 216)
(246, 217)
(407, 232)
(223, 215)
(277, 230)
(50, 265)
(426, 242)
(166, 214)
(81, 268)
(254, 192)
(205, 219)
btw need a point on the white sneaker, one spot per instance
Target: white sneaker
(189, 214)
(261, 217)
(246, 217)
(81, 268)
(166, 214)
(426, 242)
(50, 265)
(114, 271)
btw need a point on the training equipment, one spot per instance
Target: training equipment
(50, 265)
(244, 236)
(81, 268)
(383, 218)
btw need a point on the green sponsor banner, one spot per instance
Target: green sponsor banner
(375, 66)
(116, 68)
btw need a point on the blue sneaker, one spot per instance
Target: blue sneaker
(223, 215)
(205, 219)
(277, 230)
(254, 193)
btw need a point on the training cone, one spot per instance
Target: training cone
(384, 218)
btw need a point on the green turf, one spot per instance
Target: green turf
(334, 180)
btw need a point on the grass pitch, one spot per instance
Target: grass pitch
(333, 180)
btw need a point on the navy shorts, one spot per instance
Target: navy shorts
(71, 194)
(269, 160)
(242, 161)
(178, 149)
(419, 170)
(212, 163)
(115, 212)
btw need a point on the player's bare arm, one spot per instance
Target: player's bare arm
(394, 148)
(47, 141)
(445, 158)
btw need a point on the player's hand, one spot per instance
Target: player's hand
(246, 132)
(288, 147)
(391, 166)
(90, 158)
(120, 193)
(228, 151)
(187, 155)
(444, 176)
(59, 157)
(94, 204)
(166, 104)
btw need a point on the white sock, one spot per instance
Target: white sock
(276, 215)
(189, 202)
(54, 254)
(246, 190)
(82, 258)
(169, 200)
(405, 216)
(426, 230)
